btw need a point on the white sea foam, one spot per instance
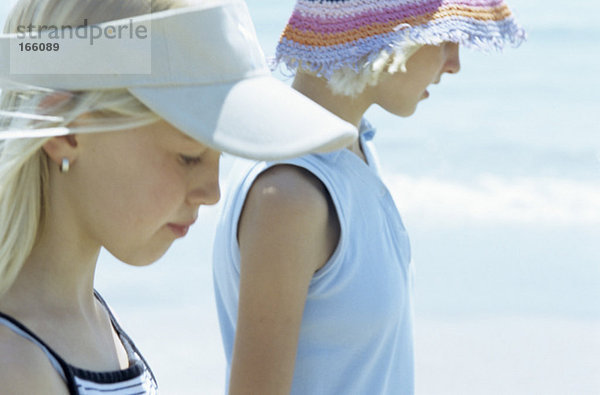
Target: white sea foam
(496, 199)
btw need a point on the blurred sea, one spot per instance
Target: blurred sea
(497, 177)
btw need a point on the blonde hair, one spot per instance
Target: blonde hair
(23, 163)
(350, 82)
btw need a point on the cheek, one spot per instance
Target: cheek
(151, 196)
(130, 199)
(139, 235)
(398, 93)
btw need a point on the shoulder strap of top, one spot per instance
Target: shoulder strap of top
(115, 323)
(129, 345)
(57, 362)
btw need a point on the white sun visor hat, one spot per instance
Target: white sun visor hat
(200, 68)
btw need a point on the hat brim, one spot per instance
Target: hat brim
(256, 118)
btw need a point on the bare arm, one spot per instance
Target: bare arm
(287, 231)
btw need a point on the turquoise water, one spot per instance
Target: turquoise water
(497, 177)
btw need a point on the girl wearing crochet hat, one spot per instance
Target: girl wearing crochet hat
(118, 160)
(312, 263)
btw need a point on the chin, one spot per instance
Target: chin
(408, 113)
(141, 262)
(404, 111)
(141, 257)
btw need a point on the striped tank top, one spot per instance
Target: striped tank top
(137, 379)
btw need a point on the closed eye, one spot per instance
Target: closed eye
(190, 160)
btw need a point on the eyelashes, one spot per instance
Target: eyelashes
(190, 160)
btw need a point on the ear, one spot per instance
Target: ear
(61, 147)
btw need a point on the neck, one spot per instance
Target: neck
(58, 276)
(350, 109)
(53, 282)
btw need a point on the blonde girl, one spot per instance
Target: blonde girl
(122, 162)
(312, 263)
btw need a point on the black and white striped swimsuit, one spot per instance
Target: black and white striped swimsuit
(137, 379)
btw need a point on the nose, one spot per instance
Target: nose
(204, 183)
(452, 65)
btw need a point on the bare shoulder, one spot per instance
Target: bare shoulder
(289, 187)
(289, 191)
(25, 369)
(287, 205)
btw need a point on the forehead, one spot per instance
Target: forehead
(188, 138)
(169, 132)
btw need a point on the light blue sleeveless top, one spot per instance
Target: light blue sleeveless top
(356, 335)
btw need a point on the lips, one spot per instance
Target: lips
(180, 229)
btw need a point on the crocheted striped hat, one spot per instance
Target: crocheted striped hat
(327, 35)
